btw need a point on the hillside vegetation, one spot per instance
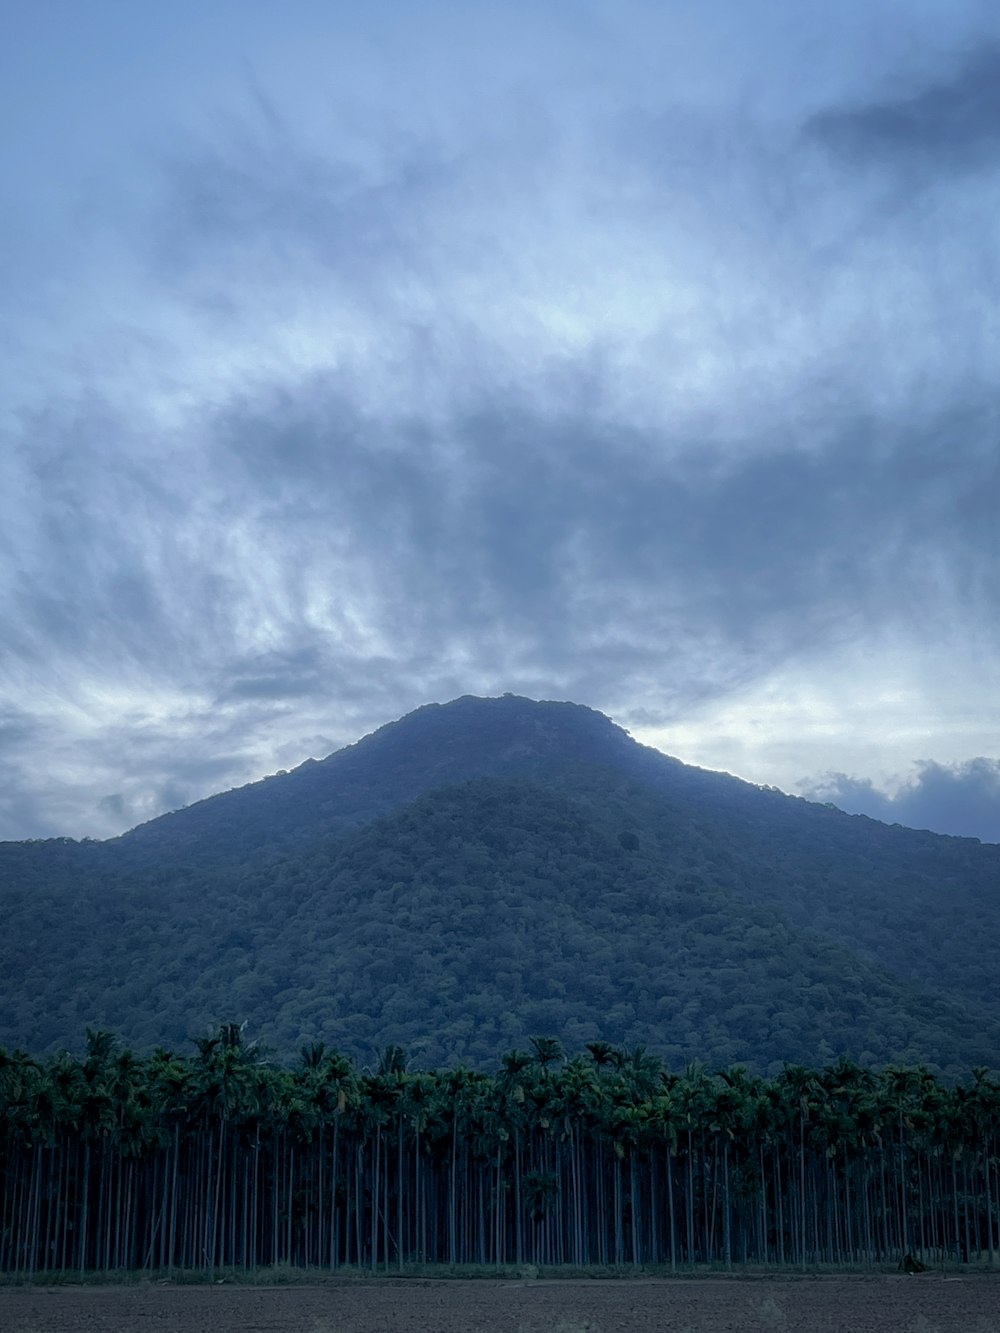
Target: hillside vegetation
(488, 869)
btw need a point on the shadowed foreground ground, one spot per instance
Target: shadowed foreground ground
(925, 1304)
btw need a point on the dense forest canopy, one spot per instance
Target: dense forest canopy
(491, 868)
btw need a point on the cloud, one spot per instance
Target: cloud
(632, 397)
(22, 811)
(568, 531)
(960, 799)
(949, 125)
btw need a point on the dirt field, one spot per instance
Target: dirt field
(926, 1304)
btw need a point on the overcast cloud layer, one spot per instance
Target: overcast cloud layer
(640, 354)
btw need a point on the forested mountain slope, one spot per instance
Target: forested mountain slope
(489, 869)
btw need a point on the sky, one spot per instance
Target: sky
(356, 357)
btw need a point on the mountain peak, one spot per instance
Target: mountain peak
(504, 724)
(434, 745)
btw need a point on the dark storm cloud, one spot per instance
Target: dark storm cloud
(116, 806)
(518, 530)
(595, 545)
(317, 670)
(960, 799)
(284, 674)
(950, 124)
(514, 525)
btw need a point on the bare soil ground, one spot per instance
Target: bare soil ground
(851, 1304)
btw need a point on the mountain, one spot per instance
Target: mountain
(489, 869)
(436, 746)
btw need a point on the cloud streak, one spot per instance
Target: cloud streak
(949, 126)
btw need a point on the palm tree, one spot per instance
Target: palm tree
(984, 1111)
(512, 1081)
(548, 1050)
(801, 1090)
(601, 1052)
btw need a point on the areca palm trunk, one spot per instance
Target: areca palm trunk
(987, 1175)
(619, 1231)
(954, 1201)
(518, 1213)
(275, 1181)
(220, 1166)
(780, 1196)
(802, 1188)
(68, 1186)
(636, 1214)
(18, 1225)
(762, 1248)
(708, 1199)
(866, 1187)
(332, 1202)
(670, 1206)
(421, 1202)
(359, 1197)
(401, 1193)
(172, 1239)
(290, 1205)
(245, 1214)
(689, 1201)
(848, 1211)
(654, 1238)
(36, 1207)
(453, 1201)
(375, 1189)
(903, 1221)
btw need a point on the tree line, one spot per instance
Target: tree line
(227, 1159)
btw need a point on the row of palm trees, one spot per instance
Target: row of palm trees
(112, 1162)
